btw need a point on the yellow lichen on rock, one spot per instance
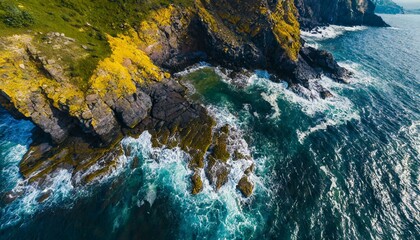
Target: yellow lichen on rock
(127, 67)
(149, 30)
(20, 78)
(286, 27)
(214, 21)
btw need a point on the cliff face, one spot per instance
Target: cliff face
(388, 7)
(131, 90)
(243, 32)
(341, 12)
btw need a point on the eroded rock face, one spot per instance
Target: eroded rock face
(262, 35)
(130, 92)
(314, 13)
(134, 108)
(250, 34)
(175, 122)
(245, 186)
(167, 37)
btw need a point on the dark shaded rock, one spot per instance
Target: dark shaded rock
(247, 35)
(314, 62)
(250, 170)
(104, 123)
(180, 61)
(44, 196)
(52, 121)
(217, 172)
(9, 197)
(313, 13)
(326, 94)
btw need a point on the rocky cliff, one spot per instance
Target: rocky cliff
(131, 89)
(387, 7)
(341, 12)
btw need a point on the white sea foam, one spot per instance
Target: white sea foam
(168, 169)
(330, 32)
(191, 69)
(272, 100)
(58, 187)
(335, 111)
(360, 75)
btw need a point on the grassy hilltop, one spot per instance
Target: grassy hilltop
(88, 21)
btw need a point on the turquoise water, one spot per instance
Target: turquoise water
(342, 168)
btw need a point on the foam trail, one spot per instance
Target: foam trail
(272, 100)
(330, 32)
(329, 112)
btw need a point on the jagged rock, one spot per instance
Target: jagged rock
(250, 34)
(134, 108)
(250, 170)
(217, 169)
(78, 154)
(197, 183)
(326, 94)
(104, 123)
(245, 186)
(314, 13)
(315, 62)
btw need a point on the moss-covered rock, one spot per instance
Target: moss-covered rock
(245, 186)
(251, 33)
(220, 151)
(78, 155)
(197, 183)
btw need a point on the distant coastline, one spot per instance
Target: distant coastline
(412, 11)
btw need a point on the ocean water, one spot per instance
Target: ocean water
(342, 168)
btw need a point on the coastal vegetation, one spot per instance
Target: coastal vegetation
(87, 21)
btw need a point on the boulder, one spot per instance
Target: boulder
(245, 186)
(134, 108)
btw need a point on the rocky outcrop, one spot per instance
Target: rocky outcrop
(262, 35)
(387, 7)
(132, 91)
(313, 13)
(253, 34)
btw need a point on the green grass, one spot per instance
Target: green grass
(88, 21)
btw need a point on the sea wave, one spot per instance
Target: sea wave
(332, 111)
(329, 32)
(220, 212)
(23, 199)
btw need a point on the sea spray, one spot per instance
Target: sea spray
(330, 32)
(167, 169)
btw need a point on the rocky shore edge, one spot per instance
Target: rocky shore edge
(79, 125)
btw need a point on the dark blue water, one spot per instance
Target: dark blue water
(342, 168)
